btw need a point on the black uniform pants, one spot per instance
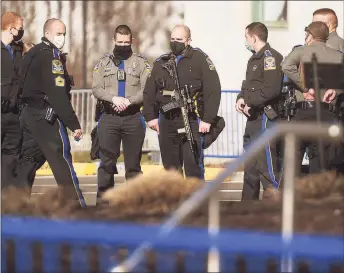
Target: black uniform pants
(263, 167)
(309, 115)
(112, 130)
(11, 140)
(175, 151)
(43, 141)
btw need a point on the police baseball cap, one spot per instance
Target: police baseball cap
(319, 30)
(215, 129)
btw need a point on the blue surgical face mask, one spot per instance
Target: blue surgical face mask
(249, 47)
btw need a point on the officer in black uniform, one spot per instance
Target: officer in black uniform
(316, 36)
(258, 100)
(48, 112)
(195, 69)
(118, 83)
(11, 134)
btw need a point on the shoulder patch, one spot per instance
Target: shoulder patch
(267, 53)
(198, 49)
(269, 63)
(139, 55)
(210, 64)
(57, 67)
(162, 56)
(59, 81)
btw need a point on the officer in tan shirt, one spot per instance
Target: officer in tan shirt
(316, 37)
(118, 82)
(329, 17)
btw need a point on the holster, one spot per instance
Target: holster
(95, 146)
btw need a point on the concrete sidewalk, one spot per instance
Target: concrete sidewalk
(83, 169)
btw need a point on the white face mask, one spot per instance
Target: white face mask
(59, 41)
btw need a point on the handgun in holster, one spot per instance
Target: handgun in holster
(100, 109)
(50, 115)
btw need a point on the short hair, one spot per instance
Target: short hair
(186, 28)
(124, 30)
(319, 30)
(48, 24)
(258, 29)
(327, 11)
(9, 19)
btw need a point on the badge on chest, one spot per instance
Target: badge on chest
(121, 75)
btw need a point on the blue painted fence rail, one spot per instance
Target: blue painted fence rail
(257, 248)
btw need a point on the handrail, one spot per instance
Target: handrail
(309, 130)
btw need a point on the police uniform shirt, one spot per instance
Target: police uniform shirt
(46, 78)
(264, 78)
(10, 61)
(291, 65)
(335, 42)
(195, 69)
(107, 75)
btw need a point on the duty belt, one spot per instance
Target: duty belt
(131, 110)
(312, 104)
(36, 103)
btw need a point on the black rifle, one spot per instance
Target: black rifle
(181, 97)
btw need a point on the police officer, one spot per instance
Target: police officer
(195, 69)
(329, 17)
(118, 82)
(11, 135)
(48, 112)
(316, 37)
(258, 99)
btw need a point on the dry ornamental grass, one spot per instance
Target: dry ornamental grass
(151, 198)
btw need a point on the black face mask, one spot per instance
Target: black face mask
(123, 52)
(177, 48)
(19, 36)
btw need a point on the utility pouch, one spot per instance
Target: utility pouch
(270, 112)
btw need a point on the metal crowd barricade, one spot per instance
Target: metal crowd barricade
(44, 245)
(228, 145)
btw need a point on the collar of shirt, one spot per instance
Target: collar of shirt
(188, 53)
(259, 54)
(333, 34)
(9, 48)
(319, 43)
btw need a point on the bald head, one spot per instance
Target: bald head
(55, 30)
(328, 16)
(181, 31)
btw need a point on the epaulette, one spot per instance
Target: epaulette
(106, 55)
(139, 55)
(200, 50)
(267, 53)
(162, 56)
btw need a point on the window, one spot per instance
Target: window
(271, 13)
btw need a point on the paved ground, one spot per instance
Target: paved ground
(230, 191)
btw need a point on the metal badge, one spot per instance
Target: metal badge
(121, 75)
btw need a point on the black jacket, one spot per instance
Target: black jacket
(47, 78)
(194, 68)
(264, 78)
(10, 73)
